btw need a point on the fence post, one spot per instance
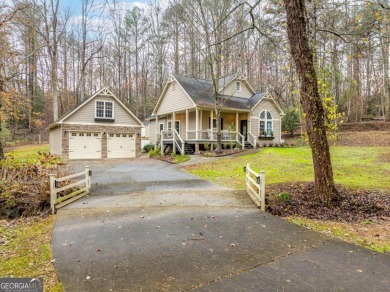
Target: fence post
(262, 190)
(243, 142)
(87, 178)
(247, 174)
(53, 194)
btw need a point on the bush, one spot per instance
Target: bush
(155, 152)
(24, 187)
(290, 122)
(284, 197)
(148, 148)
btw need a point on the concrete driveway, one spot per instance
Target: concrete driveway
(149, 226)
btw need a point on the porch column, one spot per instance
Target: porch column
(211, 125)
(187, 124)
(201, 120)
(237, 122)
(174, 132)
(197, 123)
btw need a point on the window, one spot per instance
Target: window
(74, 134)
(266, 125)
(104, 109)
(177, 126)
(124, 135)
(111, 135)
(89, 134)
(96, 135)
(81, 134)
(161, 127)
(215, 123)
(238, 86)
(118, 135)
(169, 127)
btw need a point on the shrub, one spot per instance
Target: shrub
(155, 152)
(284, 197)
(148, 148)
(24, 187)
(290, 121)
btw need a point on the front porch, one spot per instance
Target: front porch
(195, 128)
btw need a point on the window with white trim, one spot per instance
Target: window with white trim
(238, 86)
(104, 109)
(266, 124)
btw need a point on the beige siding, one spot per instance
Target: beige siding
(192, 121)
(86, 114)
(268, 105)
(255, 126)
(174, 100)
(230, 90)
(55, 141)
(152, 132)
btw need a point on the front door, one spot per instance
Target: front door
(244, 129)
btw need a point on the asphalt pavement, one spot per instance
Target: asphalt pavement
(150, 226)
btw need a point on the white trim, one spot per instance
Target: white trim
(159, 128)
(103, 91)
(179, 126)
(266, 120)
(104, 109)
(266, 96)
(240, 86)
(101, 124)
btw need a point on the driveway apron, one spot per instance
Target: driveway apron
(150, 226)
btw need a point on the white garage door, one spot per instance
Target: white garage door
(84, 145)
(120, 145)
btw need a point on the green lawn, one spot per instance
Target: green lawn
(26, 250)
(28, 154)
(354, 167)
(25, 243)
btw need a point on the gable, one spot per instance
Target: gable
(86, 113)
(266, 104)
(230, 88)
(173, 98)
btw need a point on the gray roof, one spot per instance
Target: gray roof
(201, 92)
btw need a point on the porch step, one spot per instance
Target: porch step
(168, 149)
(248, 145)
(188, 149)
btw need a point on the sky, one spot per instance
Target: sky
(75, 5)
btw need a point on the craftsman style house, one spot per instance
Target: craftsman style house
(184, 115)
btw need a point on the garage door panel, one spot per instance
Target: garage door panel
(84, 145)
(121, 145)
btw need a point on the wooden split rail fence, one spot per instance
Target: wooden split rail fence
(255, 186)
(56, 201)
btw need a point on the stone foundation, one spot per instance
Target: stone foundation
(104, 131)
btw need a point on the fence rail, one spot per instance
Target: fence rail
(57, 202)
(255, 187)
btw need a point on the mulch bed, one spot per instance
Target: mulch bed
(224, 152)
(352, 206)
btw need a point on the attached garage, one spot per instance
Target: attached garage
(100, 127)
(121, 145)
(85, 145)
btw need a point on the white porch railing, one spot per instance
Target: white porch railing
(58, 202)
(252, 139)
(255, 187)
(179, 142)
(241, 140)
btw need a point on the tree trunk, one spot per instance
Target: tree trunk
(325, 189)
(1, 127)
